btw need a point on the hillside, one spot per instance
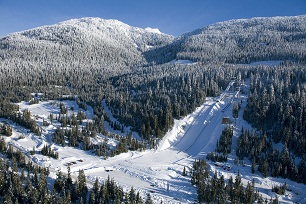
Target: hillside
(241, 41)
(147, 108)
(80, 43)
(114, 46)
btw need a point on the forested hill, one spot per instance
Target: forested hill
(114, 46)
(122, 72)
(241, 41)
(80, 43)
(106, 59)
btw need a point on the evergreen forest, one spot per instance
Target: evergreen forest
(135, 73)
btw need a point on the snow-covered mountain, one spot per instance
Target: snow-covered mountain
(111, 32)
(241, 41)
(96, 43)
(85, 42)
(92, 60)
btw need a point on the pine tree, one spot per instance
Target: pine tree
(221, 191)
(95, 190)
(92, 198)
(184, 172)
(249, 194)
(149, 199)
(253, 166)
(138, 198)
(75, 191)
(82, 187)
(265, 168)
(68, 182)
(67, 199)
(132, 195)
(59, 182)
(238, 189)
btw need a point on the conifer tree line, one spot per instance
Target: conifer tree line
(148, 99)
(218, 190)
(276, 107)
(23, 182)
(5, 130)
(141, 92)
(80, 138)
(240, 41)
(47, 151)
(225, 141)
(24, 119)
(223, 146)
(151, 104)
(72, 133)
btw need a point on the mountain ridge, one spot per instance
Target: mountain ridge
(242, 41)
(90, 26)
(87, 42)
(115, 46)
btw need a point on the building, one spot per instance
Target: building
(226, 120)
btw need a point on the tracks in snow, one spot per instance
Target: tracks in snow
(207, 121)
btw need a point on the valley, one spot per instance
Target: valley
(155, 171)
(133, 112)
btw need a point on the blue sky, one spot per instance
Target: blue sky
(173, 17)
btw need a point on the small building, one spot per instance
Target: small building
(225, 120)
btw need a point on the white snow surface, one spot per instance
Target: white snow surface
(184, 62)
(109, 31)
(153, 30)
(158, 171)
(44, 109)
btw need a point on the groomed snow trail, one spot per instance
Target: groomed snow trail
(159, 172)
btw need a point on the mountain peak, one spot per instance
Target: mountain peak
(96, 42)
(153, 30)
(93, 21)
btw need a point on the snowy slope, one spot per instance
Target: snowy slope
(80, 43)
(99, 43)
(159, 171)
(153, 30)
(111, 31)
(241, 41)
